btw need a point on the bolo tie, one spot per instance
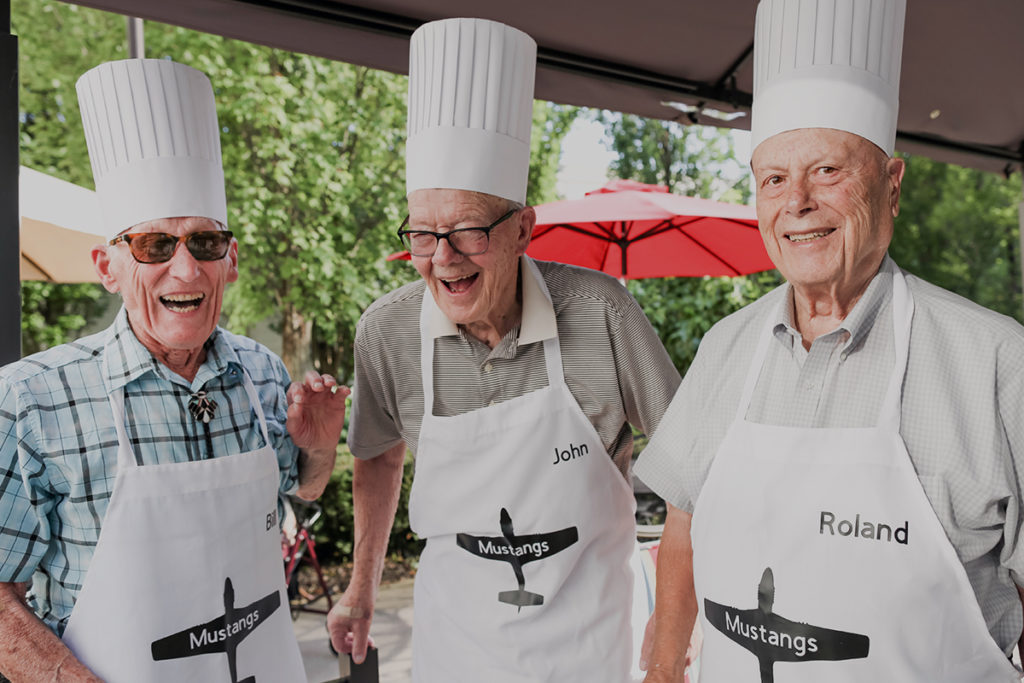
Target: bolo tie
(202, 407)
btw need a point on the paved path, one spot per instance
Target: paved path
(391, 631)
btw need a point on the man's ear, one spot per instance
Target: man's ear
(894, 169)
(527, 221)
(101, 262)
(233, 260)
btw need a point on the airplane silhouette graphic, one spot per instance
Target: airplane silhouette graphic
(772, 638)
(221, 634)
(517, 551)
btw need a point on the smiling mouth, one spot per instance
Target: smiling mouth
(810, 236)
(459, 285)
(182, 303)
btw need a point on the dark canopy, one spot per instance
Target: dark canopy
(962, 89)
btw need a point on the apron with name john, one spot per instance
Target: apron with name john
(187, 583)
(529, 525)
(817, 556)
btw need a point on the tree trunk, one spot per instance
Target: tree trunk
(296, 342)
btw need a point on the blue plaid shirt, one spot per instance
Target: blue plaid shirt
(58, 443)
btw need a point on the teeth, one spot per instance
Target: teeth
(808, 237)
(183, 303)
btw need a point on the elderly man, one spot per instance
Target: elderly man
(843, 460)
(140, 467)
(513, 382)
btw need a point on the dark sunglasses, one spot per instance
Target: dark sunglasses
(159, 247)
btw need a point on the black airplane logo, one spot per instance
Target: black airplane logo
(517, 551)
(772, 638)
(221, 634)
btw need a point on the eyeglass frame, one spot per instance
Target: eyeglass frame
(438, 236)
(181, 239)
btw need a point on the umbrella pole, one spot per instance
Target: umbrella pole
(10, 247)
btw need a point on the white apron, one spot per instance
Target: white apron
(186, 583)
(529, 528)
(817, 556)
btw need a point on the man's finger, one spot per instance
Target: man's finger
(360, 634)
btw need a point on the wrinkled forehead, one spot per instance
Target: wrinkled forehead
(439, 206)
(177, 225)
(806, 146)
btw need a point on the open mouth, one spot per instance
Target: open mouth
(810, 236)
(460, 285)
(182, 303)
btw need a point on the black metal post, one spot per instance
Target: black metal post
(10, 244)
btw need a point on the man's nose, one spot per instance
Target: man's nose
(800, 197)
(183, 265)
(445, 253)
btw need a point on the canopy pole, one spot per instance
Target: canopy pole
(10, 247)
(136, 38)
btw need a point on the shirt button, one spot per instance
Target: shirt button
(808, 386)
(488, 367)
(843, 356)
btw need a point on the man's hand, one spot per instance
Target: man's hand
(348, 623)
(316, 412)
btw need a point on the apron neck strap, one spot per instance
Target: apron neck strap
(552, 349)
(125, 454)
(902, 316)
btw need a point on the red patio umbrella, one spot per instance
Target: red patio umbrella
(631, 230)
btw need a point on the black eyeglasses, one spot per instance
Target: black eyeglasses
(159, 247)
(466, 241)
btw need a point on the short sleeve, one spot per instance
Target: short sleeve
(372, 430)
(674, 463)
(647, 377)
(24, 501)
(275, 407)
(1010, 396)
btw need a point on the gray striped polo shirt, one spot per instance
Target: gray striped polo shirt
(615, 365)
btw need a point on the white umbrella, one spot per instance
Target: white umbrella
(60, 223)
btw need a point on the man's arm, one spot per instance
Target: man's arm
(316, 414)
(32, 653)
(376, 485)
(675, 601)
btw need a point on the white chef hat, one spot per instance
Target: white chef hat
(151, 129)
(470, 107)
(828, 64)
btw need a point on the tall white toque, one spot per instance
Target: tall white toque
(151, 129)
(828, 64)
(470, 107)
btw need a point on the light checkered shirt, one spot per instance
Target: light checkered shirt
(58, 444)
(962, 414)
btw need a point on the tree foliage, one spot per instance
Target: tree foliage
(696, 161)
(314, 169)
(958, 228)
(51, 140)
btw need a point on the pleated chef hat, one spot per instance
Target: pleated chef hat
(470, 107)
(828, 64)
(151, 129)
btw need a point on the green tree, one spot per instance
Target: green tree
(51, 140)
(697, 161)
(958, 228)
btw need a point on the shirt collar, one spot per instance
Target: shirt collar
(857, 323)
(538, 321)
(126, 359)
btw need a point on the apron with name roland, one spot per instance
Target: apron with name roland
(817, 556)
